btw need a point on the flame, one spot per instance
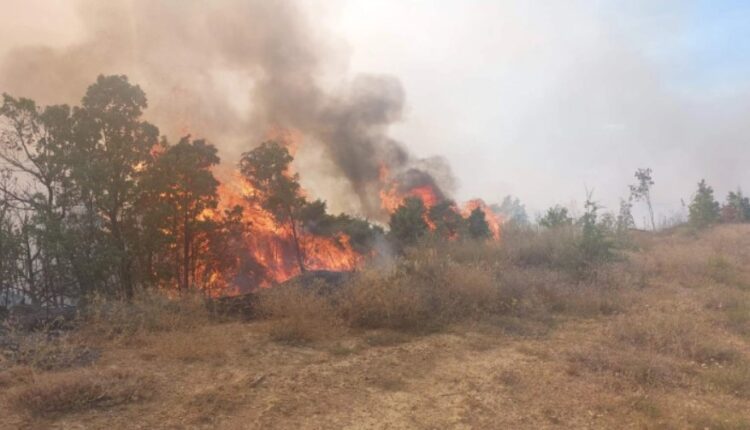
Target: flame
(271, 244)
(392, 196)
(493, 220)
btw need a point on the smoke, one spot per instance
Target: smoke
(232, 71)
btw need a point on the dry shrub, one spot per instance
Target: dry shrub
(148, 312)
(421, 295)
(48, 351)
(675, 334)
(58, 393)
(298, 314)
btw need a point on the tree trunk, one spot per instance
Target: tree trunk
(295, 238)
(651, 211)
(186, 251)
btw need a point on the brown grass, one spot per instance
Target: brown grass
(148, 312)
(298, 314)
(510, 335)
(74, 391)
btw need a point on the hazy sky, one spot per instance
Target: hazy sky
(538, 99)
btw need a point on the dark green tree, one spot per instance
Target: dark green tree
(477, 226)
(407, 223)
(736, 208)
(362, 234)
(177, 190)
(556, 216)
(113, 146)
(704, 209)
(35, 149)
(277, 189)
(447, 219)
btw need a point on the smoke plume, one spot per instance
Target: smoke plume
(232, 71)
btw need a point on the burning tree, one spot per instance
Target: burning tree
(267, 169)
(408, 223)
(178, 189)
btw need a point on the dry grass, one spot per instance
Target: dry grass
(298, 314)
(679, 335)
(510, 335)
(149, 312)
(59, 393)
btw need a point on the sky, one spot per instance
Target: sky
(543, 100)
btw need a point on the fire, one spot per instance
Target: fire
(493, 220)
(271, 243)
(392, 194)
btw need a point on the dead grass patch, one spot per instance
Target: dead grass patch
(48, 351)
(299, 315)
(675, 334)
(644, 370)
(15, 376)
(59, 393)
(733, 380)
(148, 312)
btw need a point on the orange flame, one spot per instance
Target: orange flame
(493, 220)
(271, 242)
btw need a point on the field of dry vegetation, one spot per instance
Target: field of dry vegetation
(525, 333)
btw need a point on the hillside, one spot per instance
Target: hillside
(658, 338)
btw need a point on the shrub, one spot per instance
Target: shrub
(298, 314)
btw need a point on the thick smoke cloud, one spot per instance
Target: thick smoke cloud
(233, 71)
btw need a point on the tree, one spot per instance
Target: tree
(556, 216)
(35, 149)
(736, 208)
(642, 191)
(176, 191)
(407, 223)
(113, 145)
(703, 210)
(362, 234)
(625, 219)
(595, 244)
(447, 219)
(275, 187)
(477, 225)
(512, 210)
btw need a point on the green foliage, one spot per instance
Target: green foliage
(704, 209)
(362, 234)
(477, 225)
(277, 190)
(176, 190)
(736, 208)
(641, 191)
(447, 220)
(556, 216)
(407, 223)
(625, 219)
(595, 243)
